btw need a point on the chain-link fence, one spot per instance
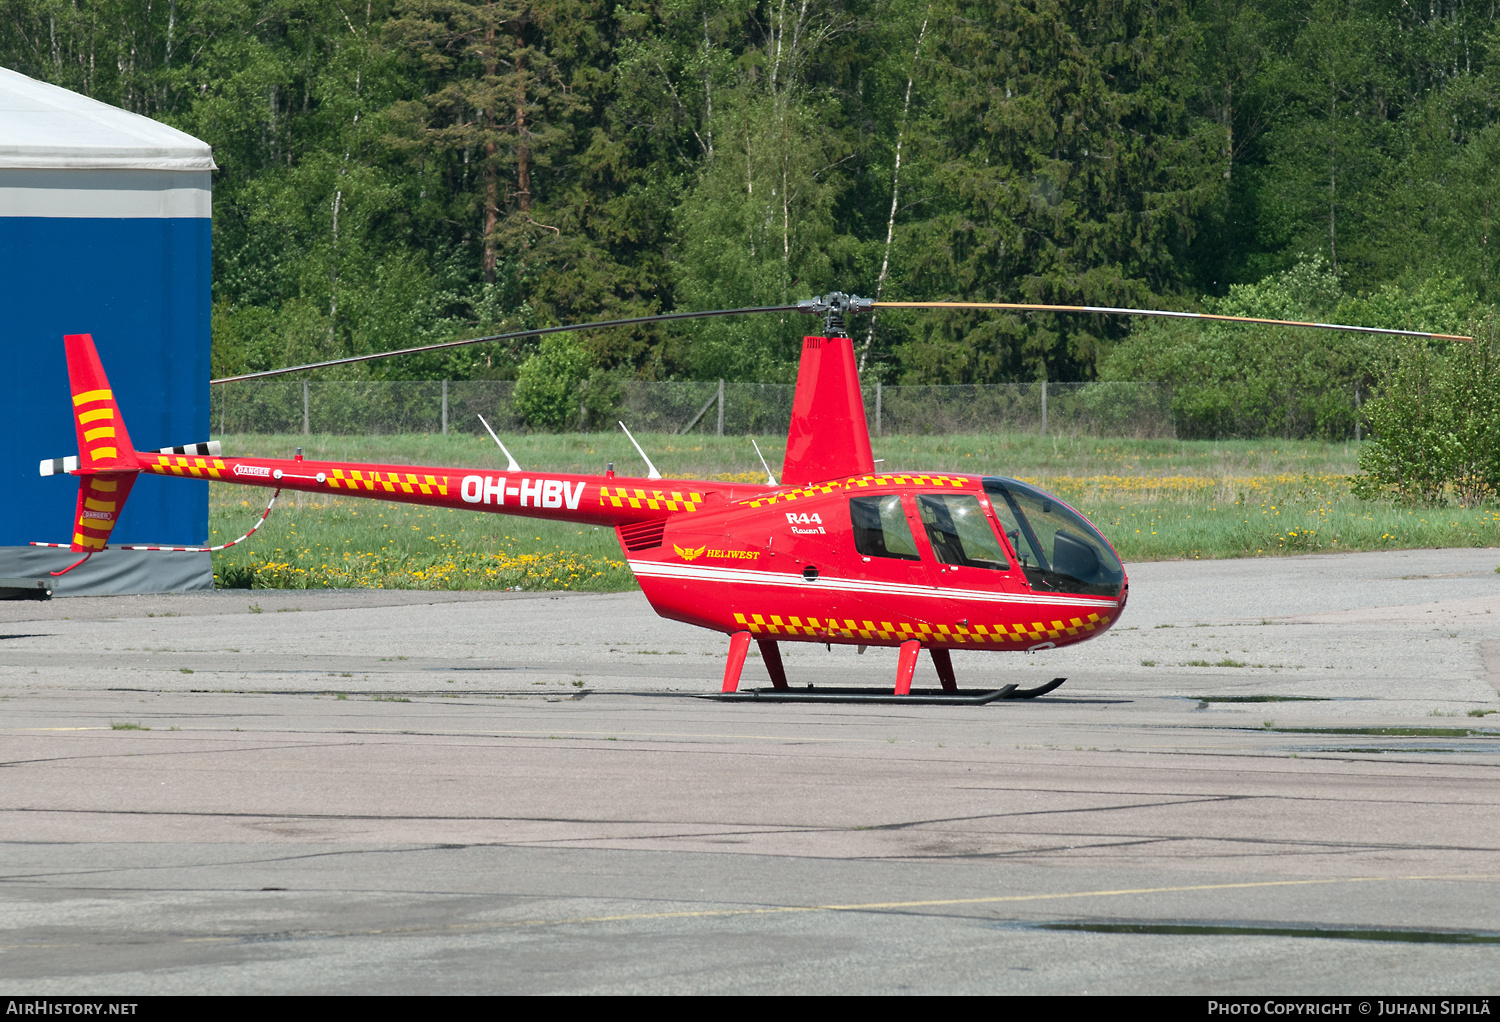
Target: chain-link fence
(441, 406)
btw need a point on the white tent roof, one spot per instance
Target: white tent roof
(43, 127)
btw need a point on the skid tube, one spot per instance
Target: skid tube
(920, 696)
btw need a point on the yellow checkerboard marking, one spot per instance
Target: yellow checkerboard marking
(834, 628)
(656, 500)
(816, 490)
(178, 465)
(354, 479)
(907, 480)
(858, 482)
(392, 482)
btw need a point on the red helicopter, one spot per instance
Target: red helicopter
(835, 553)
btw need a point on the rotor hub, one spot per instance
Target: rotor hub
(833, 307)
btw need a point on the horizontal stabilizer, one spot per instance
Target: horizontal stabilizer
(59, 466)
(211, 449)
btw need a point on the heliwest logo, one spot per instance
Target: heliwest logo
(716, 555)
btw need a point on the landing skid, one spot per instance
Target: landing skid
(906, 666)
(1040, 690)
(921, 696)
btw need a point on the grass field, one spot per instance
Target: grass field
(1154, 499)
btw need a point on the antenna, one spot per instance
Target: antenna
(769, 477)
(653, 474)
(512, 467)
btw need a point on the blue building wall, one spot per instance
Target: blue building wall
(141, 287)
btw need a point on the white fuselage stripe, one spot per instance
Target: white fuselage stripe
(740, 576)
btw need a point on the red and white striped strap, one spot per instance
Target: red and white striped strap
(185, 549)
(212, 549)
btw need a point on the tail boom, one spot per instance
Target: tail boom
(557, 496)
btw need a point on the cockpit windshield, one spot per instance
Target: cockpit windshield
(1059, 549)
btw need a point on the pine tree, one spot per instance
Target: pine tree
(491, 108)
(1056, 159)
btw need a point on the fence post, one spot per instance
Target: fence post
(1356, 411)
(721, 408)
(306, 411)
(1044, 408)
(877, 408)
(445, 408)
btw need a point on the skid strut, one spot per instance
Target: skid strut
(906, 666)
(739, 645)
(770, 655)
(944, 664)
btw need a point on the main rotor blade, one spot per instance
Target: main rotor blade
(661, 318)
(993, 306)
(1105, 310)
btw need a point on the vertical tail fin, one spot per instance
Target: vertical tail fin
(107, 466)
(103, 444)
(828, 435)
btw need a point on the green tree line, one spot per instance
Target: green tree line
(397, 171)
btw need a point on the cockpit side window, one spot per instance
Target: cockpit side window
(1018, 531)
(959, 532)
(881, 529)
(1058, 548)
